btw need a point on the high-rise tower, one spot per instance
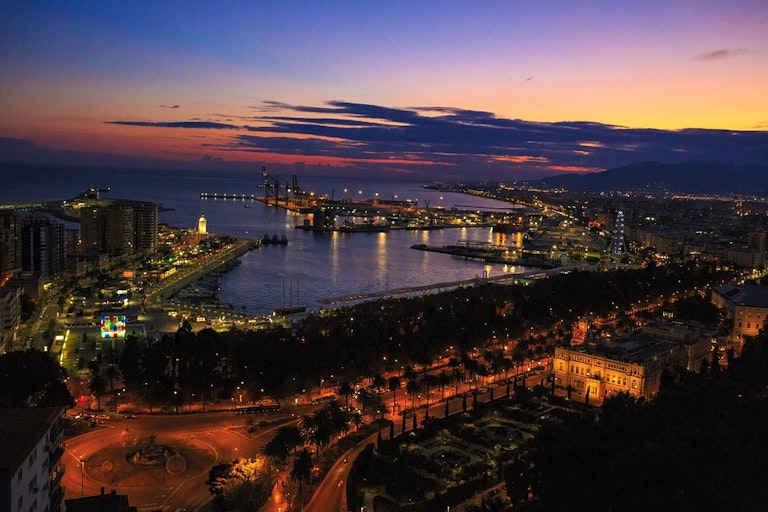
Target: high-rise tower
(617, 246)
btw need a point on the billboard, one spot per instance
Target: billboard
(113, 326)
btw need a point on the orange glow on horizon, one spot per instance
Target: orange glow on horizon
(520, 159)
(573, 168)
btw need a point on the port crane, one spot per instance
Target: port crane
(276, 184)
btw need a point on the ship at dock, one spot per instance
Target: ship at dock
(368, 226)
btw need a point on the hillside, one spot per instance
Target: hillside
(688, 177)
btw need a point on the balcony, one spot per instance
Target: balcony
(56, 476)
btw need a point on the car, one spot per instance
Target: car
(131, 416)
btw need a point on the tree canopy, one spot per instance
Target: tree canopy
(32, 378)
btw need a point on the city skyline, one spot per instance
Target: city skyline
(431, 91)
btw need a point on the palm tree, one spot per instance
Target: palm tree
(345, 390)
(458, 378)
(412, 387)
(307, 426)
(429, 381)
(302, 472)
(112, 373)
(291, 436)
(379, 382)
(409, 373)
(393, 383)
(357, 420)
(275, 450)
(443, 379)
(98, 386)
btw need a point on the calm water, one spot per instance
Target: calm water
(312, 266)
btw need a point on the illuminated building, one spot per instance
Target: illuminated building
(10, 313)
(42, 247)
(90, 222)
(617, 245)
(10, 242)
(605, 367)
(202, 225)
(746, 307)
(145, 225)
(602, 371)
(119, 228)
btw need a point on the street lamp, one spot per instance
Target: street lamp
(82, 478)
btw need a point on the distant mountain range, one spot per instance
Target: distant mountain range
(690, 177)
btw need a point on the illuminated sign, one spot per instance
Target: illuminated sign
(113, 326)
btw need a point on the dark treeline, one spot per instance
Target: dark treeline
(373, 337)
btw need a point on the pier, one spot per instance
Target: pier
(378, 215)
(398, 292)
(176, 283)
(216, 195)
(491, 253)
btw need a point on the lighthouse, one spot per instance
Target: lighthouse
(202, 225)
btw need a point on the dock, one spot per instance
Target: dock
(533, 274)
(492, 253)
(176, 283)
(244, 197)
(379, 215)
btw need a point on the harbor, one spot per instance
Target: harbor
(378, 214)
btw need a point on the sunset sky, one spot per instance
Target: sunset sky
(496, 89)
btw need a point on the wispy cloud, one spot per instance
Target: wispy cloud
(179, 124)
(724, 53)
(475, 142)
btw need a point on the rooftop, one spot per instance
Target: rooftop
(22, 428)
(745, 294)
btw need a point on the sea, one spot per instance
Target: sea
(313, 267)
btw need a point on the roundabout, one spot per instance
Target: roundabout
(150, 463)
(159, 462)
